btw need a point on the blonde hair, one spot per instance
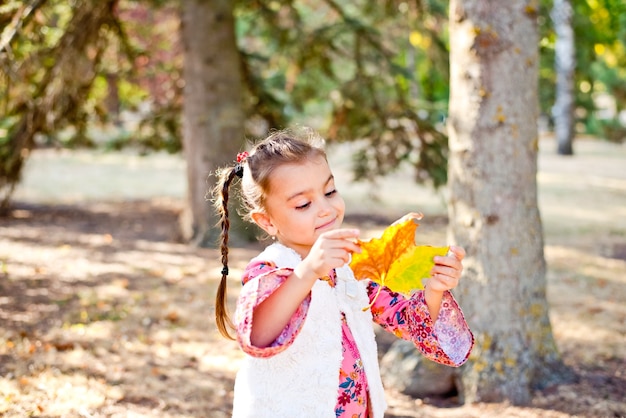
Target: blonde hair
(279, 148)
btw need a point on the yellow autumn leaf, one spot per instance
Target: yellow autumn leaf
(407, 272)
(393, 260)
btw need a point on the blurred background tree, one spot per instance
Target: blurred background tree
(564, 67)
(376, 73)
(599, 29)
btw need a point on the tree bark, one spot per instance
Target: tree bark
(565, 64)
(493, 206)
(213, 117)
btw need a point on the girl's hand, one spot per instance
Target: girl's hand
(447, 271)
(332, 249)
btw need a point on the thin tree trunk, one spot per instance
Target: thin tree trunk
(493, 199)
(565, 64)
(213, 116)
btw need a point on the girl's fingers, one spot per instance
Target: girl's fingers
(338, 258)
(446, 271)
(353, 247)
(452, 269)
(448, 261)
(345, 239)
(457, 252)
(342, 234)
(443, 282)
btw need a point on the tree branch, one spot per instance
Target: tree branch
(20, 19)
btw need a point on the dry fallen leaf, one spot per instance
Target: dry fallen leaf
(393, 260)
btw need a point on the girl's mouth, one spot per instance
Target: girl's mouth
(327, 224)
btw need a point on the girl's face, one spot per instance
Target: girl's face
(301, 204)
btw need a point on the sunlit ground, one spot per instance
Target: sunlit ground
(105, 315)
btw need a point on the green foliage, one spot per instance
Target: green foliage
(373, 72)
(350, 63)
(80, 66)
(48, 54)
(356, 58)
(600, 32)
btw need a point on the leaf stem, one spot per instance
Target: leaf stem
(376, 296)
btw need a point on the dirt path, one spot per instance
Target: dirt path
(104, 314)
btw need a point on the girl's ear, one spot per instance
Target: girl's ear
(264, 222)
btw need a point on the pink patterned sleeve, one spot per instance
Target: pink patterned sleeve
(448, 341)
(260, 280)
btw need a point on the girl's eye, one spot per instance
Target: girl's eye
(306, 205)
(332, 192)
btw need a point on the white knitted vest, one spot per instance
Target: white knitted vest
(303, 380)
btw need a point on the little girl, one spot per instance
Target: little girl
(303, 320)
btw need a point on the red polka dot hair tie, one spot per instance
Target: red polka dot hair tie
(241, 157)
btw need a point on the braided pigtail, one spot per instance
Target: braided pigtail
(277, 149)
(222, 319)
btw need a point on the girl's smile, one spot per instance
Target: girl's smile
(327, 226)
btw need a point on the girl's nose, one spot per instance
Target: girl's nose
(325, 208)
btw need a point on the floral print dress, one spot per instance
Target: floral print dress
(447, 341)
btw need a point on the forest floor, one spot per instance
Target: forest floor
(104, 313)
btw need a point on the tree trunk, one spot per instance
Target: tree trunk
(493, 199)
(565, 63)
(213, 116)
